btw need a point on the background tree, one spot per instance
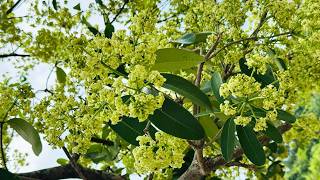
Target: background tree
(170, 89)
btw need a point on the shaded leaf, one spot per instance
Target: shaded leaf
(173, 59)
(263, 79)
(273, 133)
(186, 89)
(54, 3)
(216, 82)
(285, 116)
(250, 145)
(177, 121)
(130, 128)
(109, 29)
(27, 132)
(61, 75)
(228, 139)
(77, 7)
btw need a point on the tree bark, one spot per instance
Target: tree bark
(64, 172)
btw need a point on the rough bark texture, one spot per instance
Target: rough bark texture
(64, 172)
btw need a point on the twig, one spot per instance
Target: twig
(102, 141)
(14, 6)
(120, 11)
(74, 164)
(246, 39)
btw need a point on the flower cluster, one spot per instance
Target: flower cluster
(163, 152)
(239, 86)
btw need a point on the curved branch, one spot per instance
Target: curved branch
(64, 172)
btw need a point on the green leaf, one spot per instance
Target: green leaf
(228, 139)
(285, 116)
(77, 7)
(61, 75)
(193, 38)
(173, 59)
(216, 82)
(250, 145)
(177, 121)
(206, 88)
(98, 152)
(6, 175)
(62, 161)
(27, 132)
(186, 89)
(99, 2)
(263, 79)
(130, 128)
(210, 128)
(273, 133)
(54, 3)
(109, 29)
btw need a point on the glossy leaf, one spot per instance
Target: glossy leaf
(27, 132)
(186, 89)
(192, 38)
(54, 3)
(285, 116)
(273, 133)
(210, 128)
(173, 59)
(61, 75)
(263, 79)
(228, 139)
(177, 121)
(216, 82)
(130, 128)
(250, 145)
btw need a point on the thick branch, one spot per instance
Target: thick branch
(13, 55)
(64, 172)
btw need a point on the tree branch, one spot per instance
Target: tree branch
(102, 141)
(13, 55)
(120, 11)
(212, 164)
(74, 164)
(65, 172)
(246, 39)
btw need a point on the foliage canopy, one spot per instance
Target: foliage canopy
(165, 89)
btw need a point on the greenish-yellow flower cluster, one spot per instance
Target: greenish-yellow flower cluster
(163, 152)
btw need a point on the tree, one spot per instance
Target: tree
(187, 89)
